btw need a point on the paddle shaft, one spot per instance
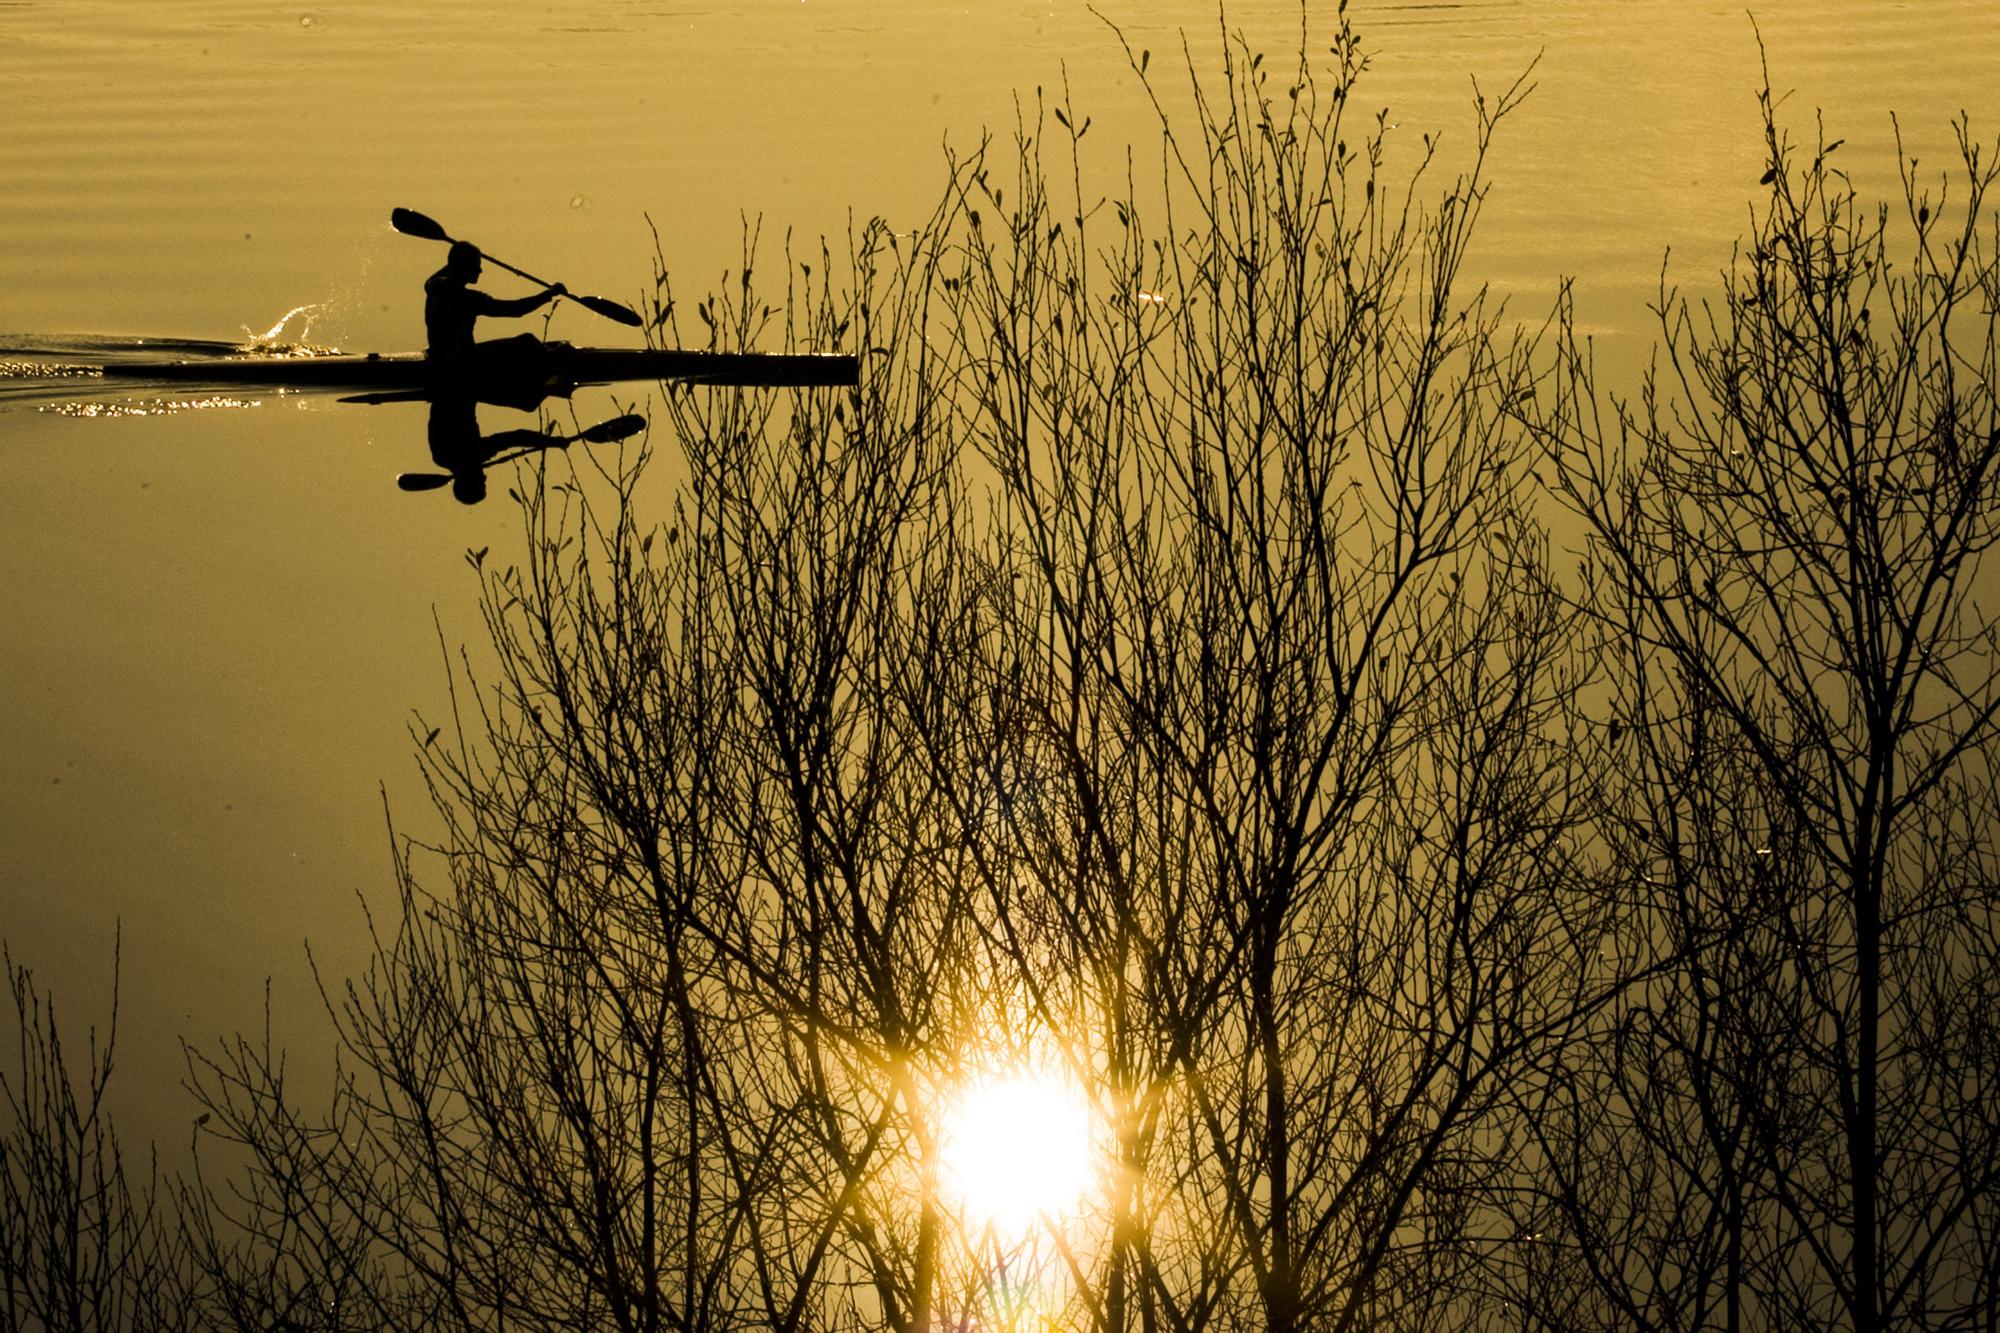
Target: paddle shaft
(517, 272)
(412, 223)
(602, 305)
(616, 311)
(604, 432)
(430, 481)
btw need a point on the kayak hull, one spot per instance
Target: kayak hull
(501, 370)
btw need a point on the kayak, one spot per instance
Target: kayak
(500, 371)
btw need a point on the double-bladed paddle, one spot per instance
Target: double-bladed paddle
(412, 223)
(604, 432)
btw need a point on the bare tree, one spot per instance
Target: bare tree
(1271, 713)
(1788, 538)
(1153, 670)
(85, 1243)
(844, 914)
(662, 1053)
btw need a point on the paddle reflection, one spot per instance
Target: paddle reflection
(465, 452)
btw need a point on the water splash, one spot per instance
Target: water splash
(273, 339)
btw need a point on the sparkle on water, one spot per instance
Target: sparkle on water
(152, 407)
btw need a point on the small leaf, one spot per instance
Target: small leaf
(431, 736)
(1768, 176)
(1144, 57)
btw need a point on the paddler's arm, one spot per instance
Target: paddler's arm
(487, 304)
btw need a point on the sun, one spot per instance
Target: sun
(1016, 1149)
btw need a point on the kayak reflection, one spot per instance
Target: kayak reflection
(465, 452)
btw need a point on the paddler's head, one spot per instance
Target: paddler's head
(468, 486)
(463, 261)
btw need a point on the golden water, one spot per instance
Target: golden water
(215, 621)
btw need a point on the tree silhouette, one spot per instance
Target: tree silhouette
(1788, 532)
(84, 1242)
(1157, 681)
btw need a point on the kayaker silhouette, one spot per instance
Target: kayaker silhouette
(452, 305)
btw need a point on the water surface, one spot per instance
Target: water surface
(218, 614)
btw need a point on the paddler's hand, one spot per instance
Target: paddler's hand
(558, 290)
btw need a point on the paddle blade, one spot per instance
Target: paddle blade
(423, 481)
(610, 309)
(412, 223)
(618, 428)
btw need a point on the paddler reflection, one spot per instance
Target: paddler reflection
(465, 452)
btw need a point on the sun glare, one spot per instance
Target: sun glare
(1016, 1149)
